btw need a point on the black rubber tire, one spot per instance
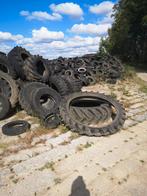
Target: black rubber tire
(4, 107)
(92, 114)
(15, 127)
(83, 129)
(60, 85)
(25, 95)
(17, 57)
(51, 121)
(4, 88)
(75, 85)
(48, 107)
(36, 69)
(91, 80)
(13, 88)
(5, 65)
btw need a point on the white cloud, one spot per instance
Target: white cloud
(74, 46)
(44, 35)
(70, 9)
(100, 29)
(24, 13)
(51, 44)
(103, 8)
(6, 36)
(39, 15)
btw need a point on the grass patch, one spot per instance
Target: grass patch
(3, 146)
(82, 146)
(129, 72)
(74, 136)
(57, 180)
(65, 142)
(113, 95)
(63, 129)
(49, 165)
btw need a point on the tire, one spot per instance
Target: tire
(17, 57)
(4, 88)
(51, 121)
(5, 65)
(13, 88)
(91, 80)
(4, 107)
(92, 114)
(45, 101)
(25, 95)
(85, 129)
(36, 69)
(15, 127)
(60, 85)
(75, 85)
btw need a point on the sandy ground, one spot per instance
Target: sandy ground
(58, 162)
(143, 76)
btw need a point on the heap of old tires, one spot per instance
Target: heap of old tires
(51, 90)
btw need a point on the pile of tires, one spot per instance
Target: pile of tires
(51, 90)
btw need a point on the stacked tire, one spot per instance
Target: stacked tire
(51, 91)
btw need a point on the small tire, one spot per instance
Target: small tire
(15, 127)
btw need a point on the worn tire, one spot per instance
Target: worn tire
(15, 127)
(5, 65)
(17, 57)
(25, 95)
(4, 106)
(83, 129)
(47, 106)
(59, 84)
(13, 88)
(36, 69)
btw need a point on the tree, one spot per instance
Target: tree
(127, 38)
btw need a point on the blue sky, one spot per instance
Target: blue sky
(54, 28)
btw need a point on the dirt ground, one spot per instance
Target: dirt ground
(58, 162)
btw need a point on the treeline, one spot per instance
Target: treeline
(127, 38)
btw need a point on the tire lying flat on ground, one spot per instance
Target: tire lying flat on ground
(90, 100)
(4, 107)
(13, 88)
(15, 127)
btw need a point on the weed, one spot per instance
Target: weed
(74, 136)
(65, 142)
(57, 180)
(129, 72)
(63, 129)
(15, 181)
(87, 145)
(3, 146)
(49, 165)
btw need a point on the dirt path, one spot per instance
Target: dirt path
(63, 163)
(143, 76)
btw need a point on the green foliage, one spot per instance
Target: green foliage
(127, 38)
(129, 72)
